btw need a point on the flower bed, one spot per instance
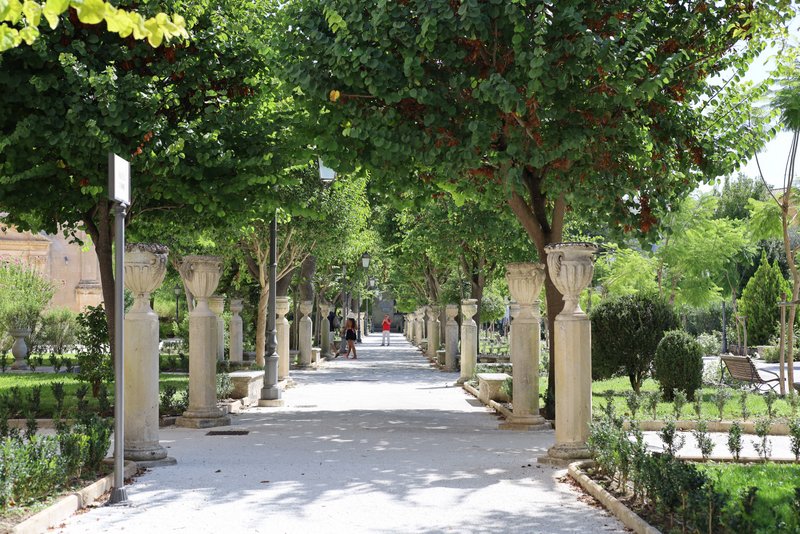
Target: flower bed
(681, 496)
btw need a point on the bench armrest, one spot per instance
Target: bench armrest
(769, 372)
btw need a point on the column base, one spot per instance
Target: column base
(525, 423)
(202, 420)
(461, 380)
(563, 454)
(270, 403)
(19, 366)
(164, 462)
(144, 452)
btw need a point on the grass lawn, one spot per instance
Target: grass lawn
(775, 507)
(26, 381)
(756, 405)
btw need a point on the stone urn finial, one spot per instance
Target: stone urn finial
(571, 269)
(306, 306)
(281, 306)
(201, 274)
(145, 268)
(452, 312)
(525, 282)
(236, 306)
(432, 312)
(469, 307)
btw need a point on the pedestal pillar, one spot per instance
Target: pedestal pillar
(324, 330)
(216, 304)
(201, 274)
(451, 338)
(406, 326)
(145, 267)
(469, 339)
(433, 332)
(282, 328)
(305, 333)
(525, 283)
(570, 268)
(417, 329)
(235, 335)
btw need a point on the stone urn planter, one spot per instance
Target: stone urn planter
(145, 268)
(19, 349)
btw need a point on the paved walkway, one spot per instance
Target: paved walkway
(380, 444)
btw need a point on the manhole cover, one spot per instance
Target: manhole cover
(306, 406)
(355, 379)
(227, 432)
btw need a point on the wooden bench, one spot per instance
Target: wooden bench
(489, 387)
(742, 368)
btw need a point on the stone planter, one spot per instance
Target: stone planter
(19, 349)
(570, 268)
(469, 339)
(145, 268)
(525, 282)
(201, 274)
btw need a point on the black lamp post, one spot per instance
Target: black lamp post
(371, 281)
(177, 291)
(271, 393)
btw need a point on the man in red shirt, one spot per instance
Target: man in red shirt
(386, 328)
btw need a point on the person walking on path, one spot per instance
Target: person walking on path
(350, 336)
(386, 328)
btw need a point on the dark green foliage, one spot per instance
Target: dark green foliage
(684, 497)
(794, 438)
(678, 364)
(93, 355)
(98, 431)
(759, 302)
(735, 440)
(59, 394)
(625, 333)
(172, 401)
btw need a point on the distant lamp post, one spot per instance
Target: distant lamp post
(177, 291)
(365, 264)
(371, 282)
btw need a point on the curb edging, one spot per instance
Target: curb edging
(628, 517)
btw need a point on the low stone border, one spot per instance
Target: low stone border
(775, 429)
(627, 516)
(64, 507)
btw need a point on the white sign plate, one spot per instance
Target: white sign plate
(119, 179)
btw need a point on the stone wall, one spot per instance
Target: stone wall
(74, 269)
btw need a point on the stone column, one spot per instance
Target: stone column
(525, 283)
(451, 338)
(145, 267)
(407, 326)
(216, 304)
(325, 330)
(417, 329)
(433, 332)
(201, 274)
(469, 339)
(282, 328)
(236, 327)
(305, 333)
(513, 311)
(570, 268)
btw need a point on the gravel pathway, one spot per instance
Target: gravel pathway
(378, 444)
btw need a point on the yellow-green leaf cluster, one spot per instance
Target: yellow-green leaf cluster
(19, 21)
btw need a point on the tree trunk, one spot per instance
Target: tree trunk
(307, 270)
(99, 225)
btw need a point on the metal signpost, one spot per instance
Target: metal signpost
(119, 192)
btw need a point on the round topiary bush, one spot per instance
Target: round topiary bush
(625, 333)
(678, 364)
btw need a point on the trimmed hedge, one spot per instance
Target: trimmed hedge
(678, 364)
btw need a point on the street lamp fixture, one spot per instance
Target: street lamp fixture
(365, 260)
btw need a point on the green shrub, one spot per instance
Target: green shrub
(678, 364)
(98, 433)
(625, 334)
(60, 328)
(760, 299)
(94, 356)
(507, 388)
(224, 386)
(24, 293)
